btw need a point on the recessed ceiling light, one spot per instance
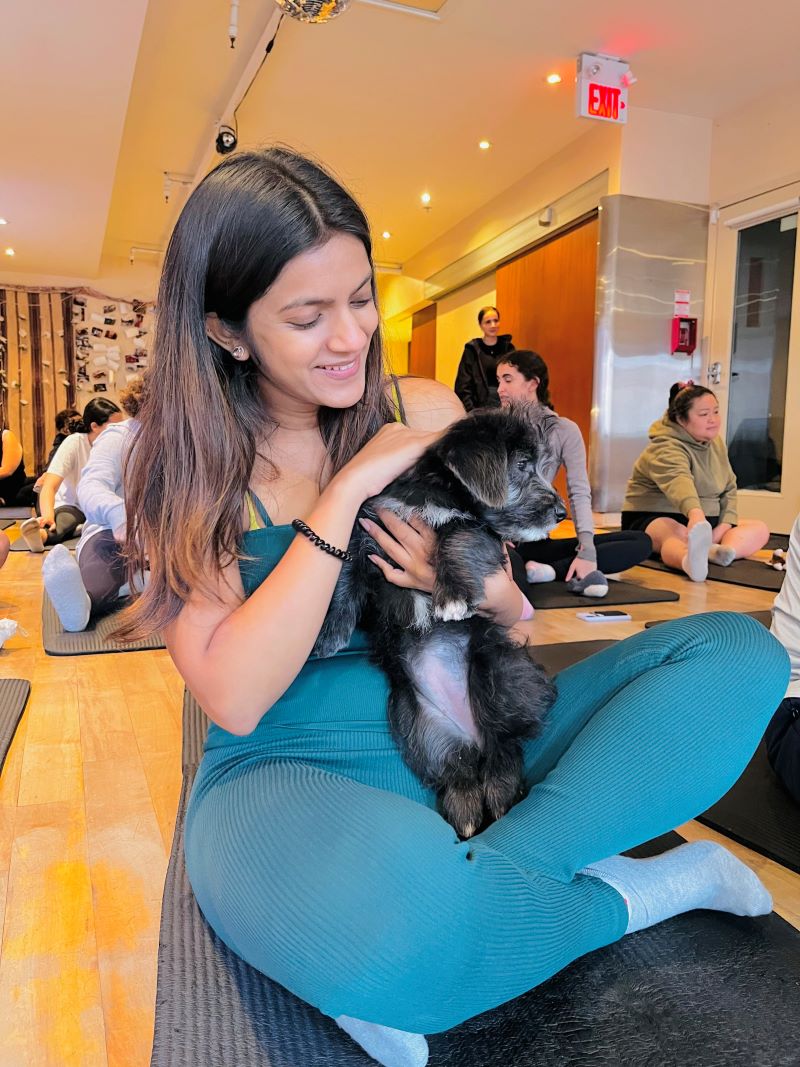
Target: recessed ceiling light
(3, 222)
(386, 235)
(553, 79)
(426, 198)
(9, 251)
(484, 145)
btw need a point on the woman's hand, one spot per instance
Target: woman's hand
(502, 600)
(409, 545)
(47, 522)
(579, 568)
(392, 450)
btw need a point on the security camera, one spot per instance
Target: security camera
(226, 140)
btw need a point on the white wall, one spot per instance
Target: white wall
(457, 323)
(118, 279)
(665, 156)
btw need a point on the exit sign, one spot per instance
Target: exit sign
(602, 88)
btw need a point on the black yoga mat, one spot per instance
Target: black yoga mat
(750, 572)
(556, 595)
(21, 545)
(702, 990)
(777, 541)
(553, 658)
(14, 693)
(759, 813)
(6, 523)
(764, 617)
(96, 638)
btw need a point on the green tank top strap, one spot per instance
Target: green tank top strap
(256, 511)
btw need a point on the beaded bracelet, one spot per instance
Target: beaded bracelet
(302, 528)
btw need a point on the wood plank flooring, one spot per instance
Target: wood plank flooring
(87, 807)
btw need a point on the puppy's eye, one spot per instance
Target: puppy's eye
(522, 464)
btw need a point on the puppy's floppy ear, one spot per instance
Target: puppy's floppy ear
(483, 469)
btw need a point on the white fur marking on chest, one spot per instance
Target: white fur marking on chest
(422, 611)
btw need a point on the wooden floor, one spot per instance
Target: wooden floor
(87, 805)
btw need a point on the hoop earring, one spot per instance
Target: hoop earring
(239, 352)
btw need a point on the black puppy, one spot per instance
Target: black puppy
(463, 694)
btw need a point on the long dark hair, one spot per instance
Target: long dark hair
(531, 365)
(681, 397)
(192, 459)
(99, 410)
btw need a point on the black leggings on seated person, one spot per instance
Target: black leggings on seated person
(615, 551)
(102, 568)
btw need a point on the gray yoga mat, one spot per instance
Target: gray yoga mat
(5, 524)
(553, 658)
(702, 990)
(764, 617)
(750, 572)
(21, 545)
(15, 512)
(14, 693)
(96, 638)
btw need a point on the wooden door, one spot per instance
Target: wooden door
(546, 299)
(422, 351)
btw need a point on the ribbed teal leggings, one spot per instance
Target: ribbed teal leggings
(353, 893)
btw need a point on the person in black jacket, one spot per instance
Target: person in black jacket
(476, 381)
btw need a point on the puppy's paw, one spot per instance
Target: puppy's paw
(452, 610)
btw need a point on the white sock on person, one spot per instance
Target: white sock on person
(701, 874)
(390, 1047)
(695, 562)
(539, 572)
(722, 555)
(64, 585)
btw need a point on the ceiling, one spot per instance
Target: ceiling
(110, 94)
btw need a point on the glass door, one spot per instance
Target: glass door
(754, 353)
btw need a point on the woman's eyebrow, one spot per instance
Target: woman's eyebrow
(318, 300)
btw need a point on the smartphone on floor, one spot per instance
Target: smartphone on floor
(609, 615)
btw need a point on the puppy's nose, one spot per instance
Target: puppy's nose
(559, 510)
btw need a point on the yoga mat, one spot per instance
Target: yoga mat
(777, 541)
(556, 595)
(553, 658)
(764, 617)
(94, 639)
(14, 693)
(6, 523)
(759, 813)
(749, 572)
(21, 545)
(15, 512)
(702, 990)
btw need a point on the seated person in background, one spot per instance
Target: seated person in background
(783, 733)
(92, 583)
(65, 422)
(15, 486)
(682, 492)
(59, 514)
(581, 562)
(476, 380)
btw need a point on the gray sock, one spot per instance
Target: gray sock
(701, 874)
(695, 562)
(390, 1047)
(64, 585)
(722, 555)
(594, 584)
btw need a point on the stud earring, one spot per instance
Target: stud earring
(239, 352)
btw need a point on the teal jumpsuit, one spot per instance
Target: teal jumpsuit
(318, 857)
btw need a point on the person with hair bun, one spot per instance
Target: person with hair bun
(582, 562)
(476, 380)
(59, 514)
(682, 492)
(65, 421)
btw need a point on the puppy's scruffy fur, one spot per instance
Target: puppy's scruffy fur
(463, 694)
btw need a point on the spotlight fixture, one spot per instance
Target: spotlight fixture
(484, 145)
(386, 235)
(9, 251)
(553, 79)
(426, 200)
(3, 222)
(226, 140)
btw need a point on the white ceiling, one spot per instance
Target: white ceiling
(108, 94)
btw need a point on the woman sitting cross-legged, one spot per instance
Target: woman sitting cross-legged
(91, 583)
(59, 514)
(682, 492)
(582, 562)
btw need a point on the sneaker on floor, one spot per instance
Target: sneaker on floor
(539, 572)
(594, 584)
(32, 533)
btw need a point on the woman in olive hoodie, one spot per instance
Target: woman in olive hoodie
(682, 492)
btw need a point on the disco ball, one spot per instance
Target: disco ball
(313, 10)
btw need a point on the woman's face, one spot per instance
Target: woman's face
(313, 327)
(96, 428)
(512, 385)
(490, 324)
(703, 421)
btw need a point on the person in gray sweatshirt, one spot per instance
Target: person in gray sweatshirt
(682, 491)
(581, 561)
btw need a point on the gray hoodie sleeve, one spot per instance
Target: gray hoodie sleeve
(573, 456)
